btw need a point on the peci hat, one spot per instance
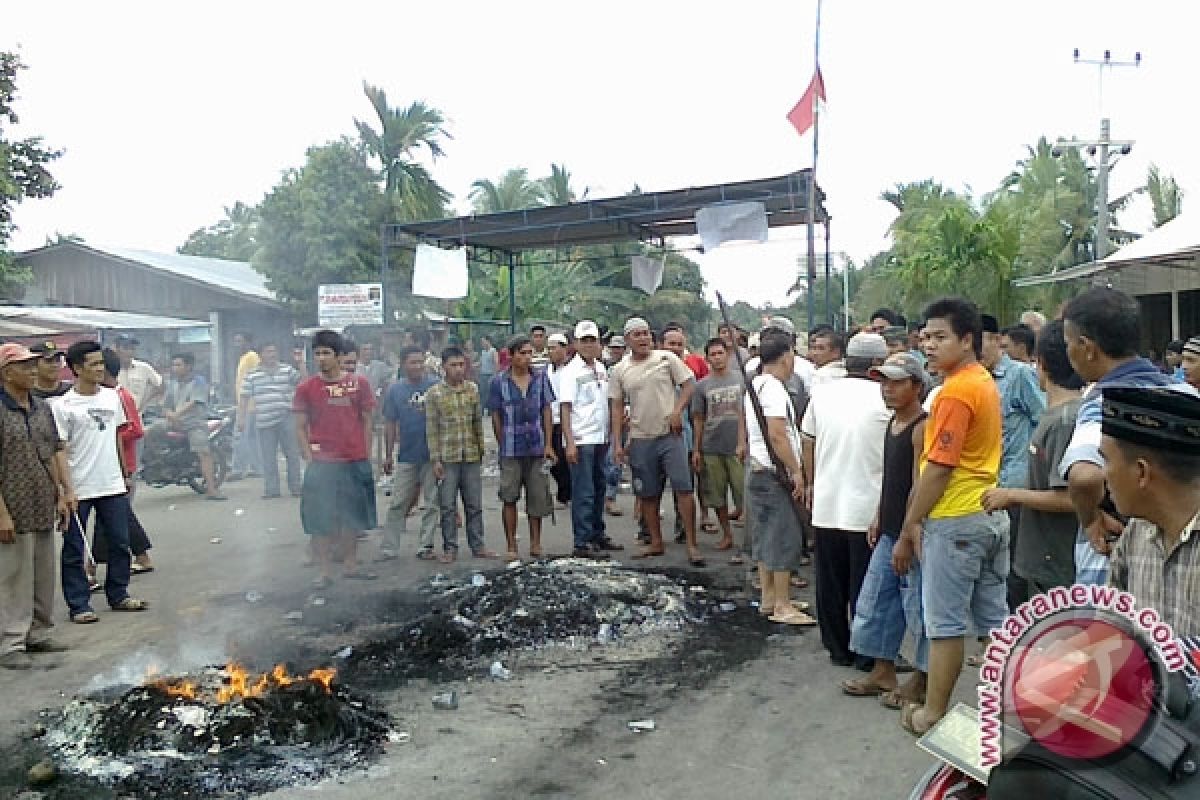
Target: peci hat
(866, 345)
(898, 367)
(1157, 417)
(13, 353)
(636, 324)
(617, 341)
(586, 328)
(558, 338)
(46, 349)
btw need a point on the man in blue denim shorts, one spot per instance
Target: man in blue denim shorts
(963, 549)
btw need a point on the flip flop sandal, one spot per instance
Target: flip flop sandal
(799, 583)
(737, 559)
(896, 701)
(648, 554)
(907, 719)
(131, 604)
(709, 527)
(95, 586)
(697, 561)
(138, 569)
(426, 555)
(853, 688)
(797, 618)
(85, 618)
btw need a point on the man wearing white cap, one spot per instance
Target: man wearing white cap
(583, 394)
(844, 428)
(802, 368)
(30, 492)
(657, 386)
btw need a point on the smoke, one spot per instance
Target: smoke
(149, 662)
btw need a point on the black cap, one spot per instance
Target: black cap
(127, 339)
(1155, 417)
(45, 349)
(990, 324)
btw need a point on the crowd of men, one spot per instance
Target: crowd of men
(937, 475)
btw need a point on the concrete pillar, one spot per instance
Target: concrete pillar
(1175, 313)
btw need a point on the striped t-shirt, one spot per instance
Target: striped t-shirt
(272, 393)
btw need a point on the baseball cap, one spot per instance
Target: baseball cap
(636, 324)
(616, 341)
(866, 345)
(586, 328)
(13, 353)
(558, 338)
(45, 349)
(898, 367)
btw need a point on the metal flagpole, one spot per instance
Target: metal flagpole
(812, 176)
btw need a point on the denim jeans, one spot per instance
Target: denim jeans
(878, 627)
(114, 512)
(272, 438)
(588, 481)
(245, 448)
(914, 614)
(411, 478)
(612, 476)
(965, 566)
(465, 480)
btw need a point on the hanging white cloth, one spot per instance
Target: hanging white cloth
(730, 222)
(440, 273)
(647, 273)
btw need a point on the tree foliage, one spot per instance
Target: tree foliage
(1166, 198)
(235, 237)
(321, 225)
(513, 191)
(24, 172)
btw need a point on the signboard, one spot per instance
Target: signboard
(343, 304)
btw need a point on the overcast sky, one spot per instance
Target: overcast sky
(170, 111)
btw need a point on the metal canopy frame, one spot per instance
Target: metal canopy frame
(650, 218)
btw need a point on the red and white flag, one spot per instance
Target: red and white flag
(804, 113)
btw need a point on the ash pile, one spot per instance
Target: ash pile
(570, 603)
(222, 732)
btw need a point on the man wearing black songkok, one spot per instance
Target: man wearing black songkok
(1151, 445)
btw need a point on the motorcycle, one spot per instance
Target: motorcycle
(171, 462)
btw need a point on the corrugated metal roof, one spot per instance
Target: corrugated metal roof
(65, 318)
(236, 276)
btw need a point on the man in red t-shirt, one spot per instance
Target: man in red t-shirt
(333, 422)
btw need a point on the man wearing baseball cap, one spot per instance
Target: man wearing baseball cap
(583, 389)
(30, 495)
(844, 427)
(49, 382)
(658, 387)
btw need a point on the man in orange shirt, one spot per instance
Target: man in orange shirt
(963, 549)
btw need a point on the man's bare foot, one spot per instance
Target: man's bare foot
(484, 554)
(447, 558)
(917, 720)
(726, 543)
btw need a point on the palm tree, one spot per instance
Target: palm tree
(556, 187)
(512, 192)
(404, 135)
(1165, 196)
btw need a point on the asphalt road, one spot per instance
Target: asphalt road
(778, 726)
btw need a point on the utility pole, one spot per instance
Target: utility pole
(1105, 150)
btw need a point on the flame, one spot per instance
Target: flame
(239, 683)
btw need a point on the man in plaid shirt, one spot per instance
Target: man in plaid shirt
(454, 432)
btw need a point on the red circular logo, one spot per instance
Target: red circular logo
(1083, 688)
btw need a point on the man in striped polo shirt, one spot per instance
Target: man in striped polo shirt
(270, 388)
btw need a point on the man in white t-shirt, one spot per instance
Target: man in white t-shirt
(88, 418)
(139, 378)
(778, 536)
(583, 394)
(844, 429)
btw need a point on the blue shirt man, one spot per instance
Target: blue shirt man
(1022, 404)
(520, 413)
(407, 456)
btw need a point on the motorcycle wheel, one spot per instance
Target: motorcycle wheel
(220, 468)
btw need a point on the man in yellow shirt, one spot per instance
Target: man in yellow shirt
(245, 445)
(963, 549)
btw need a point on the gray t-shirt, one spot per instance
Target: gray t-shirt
(719, 399)
(1045, 552)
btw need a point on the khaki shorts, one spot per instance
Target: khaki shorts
(516, 473)
(723, 475)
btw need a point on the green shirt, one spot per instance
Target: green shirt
(454, 423)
